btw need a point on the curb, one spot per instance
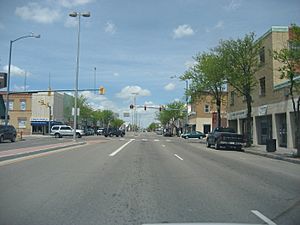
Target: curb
(4, 158)
(291, 160)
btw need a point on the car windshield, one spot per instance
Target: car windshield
(139, 112)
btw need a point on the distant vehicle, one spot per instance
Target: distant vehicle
(100, 131)
(159, 131)
(110, 132)
(193, 134)
(225, 137)
(89, 131)
(167, 134)
(7, 133)
(59, 131)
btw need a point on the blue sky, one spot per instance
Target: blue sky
(136, 45)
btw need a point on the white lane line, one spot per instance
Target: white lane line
(178, 156)
(168, 140)
(119, 149)
(156, 140)
(263, 217)
(144, 139)
(163, 146)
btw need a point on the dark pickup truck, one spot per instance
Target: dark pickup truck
(109, 132)
(225, 137)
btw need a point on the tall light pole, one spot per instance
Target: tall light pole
(32, 35)
(75, 14)
(95, 71)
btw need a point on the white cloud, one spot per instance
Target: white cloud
(97, 101)
(20, 88)
(14, 70)
(220, 25)
(73, 3)
(170, 87)
(233, 5)
(110, 28)
(35, 12)
(183, 31)
(129, 91)
(116, 74)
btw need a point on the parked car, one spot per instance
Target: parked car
(225, 137)
(89, 131)
(100, 131)
(110, 132)
(59, 131)
(7, 133)
(193, 134)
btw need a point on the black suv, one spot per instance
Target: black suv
(7, 133)
(113, 132)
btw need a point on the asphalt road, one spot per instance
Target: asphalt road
(147, 179)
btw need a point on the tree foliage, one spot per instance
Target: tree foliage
(208, 76)
(290, 70)
(240, 62)
(174, 111)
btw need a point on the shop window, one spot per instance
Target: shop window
(262, 55)
(11, 105)
(232, 94)
(206, 108)
(22, 104)
(22, 122)
(262, 86)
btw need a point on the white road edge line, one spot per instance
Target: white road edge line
(178, 156)
(263, 217)
(119, 149)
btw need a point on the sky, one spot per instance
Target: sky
(136, 46)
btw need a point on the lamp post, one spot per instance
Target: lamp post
(32, 35)
(75, 14)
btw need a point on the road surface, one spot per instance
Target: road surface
(147, 179)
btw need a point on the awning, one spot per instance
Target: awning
(39, 123)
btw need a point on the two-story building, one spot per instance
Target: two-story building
(203, 115)
(272, 111)
(19, 111)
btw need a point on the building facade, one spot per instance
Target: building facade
(203, 115)
(272, 111)
(19, 111)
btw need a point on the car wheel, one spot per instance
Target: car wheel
(207, 144)
(78, 135)
(57, 135)
(13, 139)
(217, 146)
(1, 139)
(186, 137)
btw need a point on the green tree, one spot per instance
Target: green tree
(173, 112)
(152, 127)
(240, 60)
(107, 117)
(116, 122)
(290, 59)
(207, 76)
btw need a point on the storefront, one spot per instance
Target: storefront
(42, 126)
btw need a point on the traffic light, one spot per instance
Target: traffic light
(145, 108)
(101, 90)
(131, 106)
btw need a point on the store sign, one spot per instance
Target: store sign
(237, 115)
(262, 110)
(33, 119)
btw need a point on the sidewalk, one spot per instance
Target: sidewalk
(284, 154)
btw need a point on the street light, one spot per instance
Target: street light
(31, 35)
(75, 14)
